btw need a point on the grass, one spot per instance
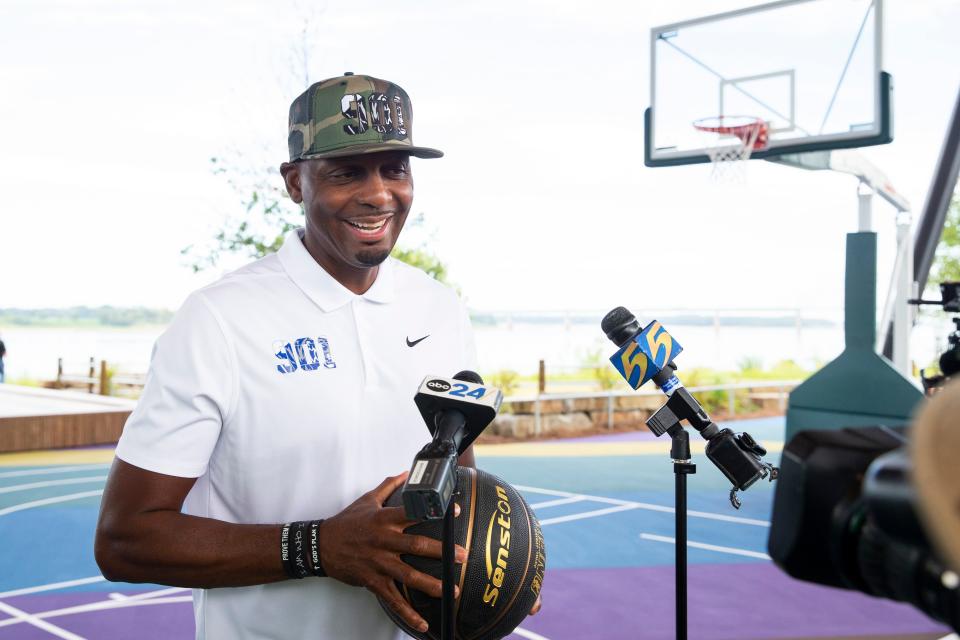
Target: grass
(24, 381)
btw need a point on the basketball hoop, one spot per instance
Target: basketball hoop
(728, 140)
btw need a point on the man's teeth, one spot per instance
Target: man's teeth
(364, 226)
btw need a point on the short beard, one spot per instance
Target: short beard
(372, 258)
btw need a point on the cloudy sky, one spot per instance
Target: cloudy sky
(110, 111)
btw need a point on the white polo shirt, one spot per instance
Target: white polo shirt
(288, 396)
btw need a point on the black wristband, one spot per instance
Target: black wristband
(316, 565)
(299, 546)
(285, 556)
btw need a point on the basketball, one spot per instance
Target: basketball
(505, 560)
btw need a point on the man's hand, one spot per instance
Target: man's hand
(362, 544)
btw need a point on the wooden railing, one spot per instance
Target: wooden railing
(102, 381)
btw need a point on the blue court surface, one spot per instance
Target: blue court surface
(606, 507)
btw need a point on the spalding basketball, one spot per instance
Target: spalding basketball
(505, 560)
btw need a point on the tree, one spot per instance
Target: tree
(946, 262)
(422, 259)
(257, 227)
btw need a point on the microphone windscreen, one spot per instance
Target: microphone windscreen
(469, 376)
(620, 325)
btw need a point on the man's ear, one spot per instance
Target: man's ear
(291, 177)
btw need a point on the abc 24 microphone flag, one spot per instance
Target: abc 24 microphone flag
(645, 354)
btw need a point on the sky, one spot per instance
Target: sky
(110, 111)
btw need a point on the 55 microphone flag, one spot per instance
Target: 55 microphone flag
(645, 355)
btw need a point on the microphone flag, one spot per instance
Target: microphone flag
(645, 355)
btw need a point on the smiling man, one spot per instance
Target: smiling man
(281, 396)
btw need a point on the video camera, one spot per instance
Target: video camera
(864, 509)
(845, 515)
(949, 359)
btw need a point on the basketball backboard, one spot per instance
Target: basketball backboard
(811, 70)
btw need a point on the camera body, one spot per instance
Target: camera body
(846, 515)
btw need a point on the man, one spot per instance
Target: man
(283, 392)
(3, 353)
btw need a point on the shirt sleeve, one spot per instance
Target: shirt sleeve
(187, 397)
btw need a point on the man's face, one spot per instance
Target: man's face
(355, 208)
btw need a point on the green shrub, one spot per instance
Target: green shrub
(24, 382)
(712, 401)
(507, 380)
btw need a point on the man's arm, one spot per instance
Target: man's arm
(143, 537)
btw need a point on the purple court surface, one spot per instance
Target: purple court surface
(605, 504)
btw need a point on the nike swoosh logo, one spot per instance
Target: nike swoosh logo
(416, 342)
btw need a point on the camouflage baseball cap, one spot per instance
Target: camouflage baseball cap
(352, 115)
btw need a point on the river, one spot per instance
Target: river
(517, 345)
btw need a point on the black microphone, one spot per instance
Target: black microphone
(456, 411)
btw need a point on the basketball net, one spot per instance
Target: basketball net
(728, 141)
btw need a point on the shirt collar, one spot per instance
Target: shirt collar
(323, 288)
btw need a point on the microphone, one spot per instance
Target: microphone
(648, 354)
(643, 355)
(456, 411)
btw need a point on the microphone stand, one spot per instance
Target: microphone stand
(738, 456)
(448, 619)
(682, 467)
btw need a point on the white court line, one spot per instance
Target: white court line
(42, 472)
(646, 506)
(724, 518)
(46, 501)
(50, 483)
(708, 547)
(96, 606)
(952, 636)
(159, 593)
(53, 586)
(587, 514)
(530, 635)
(23, 616)
(557, 502)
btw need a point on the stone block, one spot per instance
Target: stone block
(651, 402)
(565, 423)
(630, 419)
(589, 404)
(512, 425)
(529, 406)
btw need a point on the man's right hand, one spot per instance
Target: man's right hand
(361, 546)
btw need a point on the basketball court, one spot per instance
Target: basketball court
(605, 504)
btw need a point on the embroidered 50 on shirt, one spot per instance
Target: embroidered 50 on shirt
(302, 354)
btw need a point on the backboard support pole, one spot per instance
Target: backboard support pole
(865, 208)
(874, 181)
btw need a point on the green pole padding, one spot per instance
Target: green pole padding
(860, 387)
(860, 292)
